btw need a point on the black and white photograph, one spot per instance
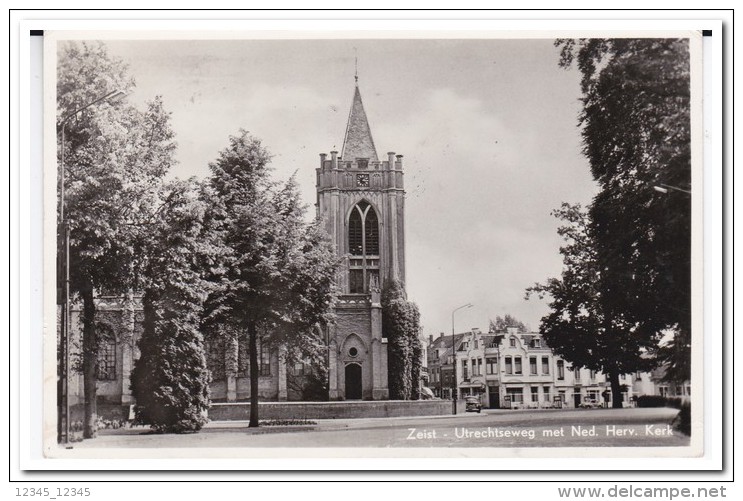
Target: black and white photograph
(390, 243)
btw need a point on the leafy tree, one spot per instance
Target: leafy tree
(170, 380)
(416, 364)
(502, 323)
(401, 326)
(636, 135)
(277, 281)
(579, 326)
(114, 159)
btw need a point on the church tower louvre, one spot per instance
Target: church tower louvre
(362, 203)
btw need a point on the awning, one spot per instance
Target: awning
(471, 384)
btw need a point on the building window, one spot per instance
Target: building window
(509, 366)
(577, 373)
(534, 394)
(513, 342)
(106, 361)
(491, 365)
(545, 365)
(356, 281)
(363, 243)
(533, 366)
(592, 375)
(371, 233)
(355, 233)
(560, 370)
(265, 359)
(465, 374)
(546, 393)
(516, 395)
(476, 343)
(517, 365)
(537, 343)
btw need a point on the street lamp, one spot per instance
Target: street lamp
(63, 409)
(454, 360)
(663, 188)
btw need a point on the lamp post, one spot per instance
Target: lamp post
(63, 410)
(454, 360)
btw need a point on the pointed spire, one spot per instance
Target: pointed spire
(358, 142)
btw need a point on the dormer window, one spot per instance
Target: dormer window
(537, 343)
(513, 342)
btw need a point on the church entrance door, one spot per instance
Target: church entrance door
(353, 382)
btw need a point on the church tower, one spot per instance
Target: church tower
(362, 203)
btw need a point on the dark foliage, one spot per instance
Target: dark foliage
(636, 135)
(401, 326)
(502, 323)
(170, 379)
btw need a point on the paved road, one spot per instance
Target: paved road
(503, 429)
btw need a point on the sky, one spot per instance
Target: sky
(488, 129)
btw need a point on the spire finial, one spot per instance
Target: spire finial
(356, 67)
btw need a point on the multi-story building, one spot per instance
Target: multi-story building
(440, 362)
(512, 369)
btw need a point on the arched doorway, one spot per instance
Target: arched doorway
(353, 382)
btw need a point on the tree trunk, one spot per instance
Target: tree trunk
(616, 389)
(90, 353)
(254, 373)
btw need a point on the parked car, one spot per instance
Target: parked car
(472, 404)
(427, 394)
(590, 403)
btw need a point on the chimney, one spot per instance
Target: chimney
(323, 156)
(334, 159)
(430, 338)
(399, 162)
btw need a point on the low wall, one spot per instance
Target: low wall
(330, 410)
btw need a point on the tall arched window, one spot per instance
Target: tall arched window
(363, 245)
(105, 366)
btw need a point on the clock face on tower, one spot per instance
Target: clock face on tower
(362, 180)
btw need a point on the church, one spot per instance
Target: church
(362, 203)
(361, 200)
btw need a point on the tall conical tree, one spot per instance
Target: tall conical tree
(278, 278)
(170, 380)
